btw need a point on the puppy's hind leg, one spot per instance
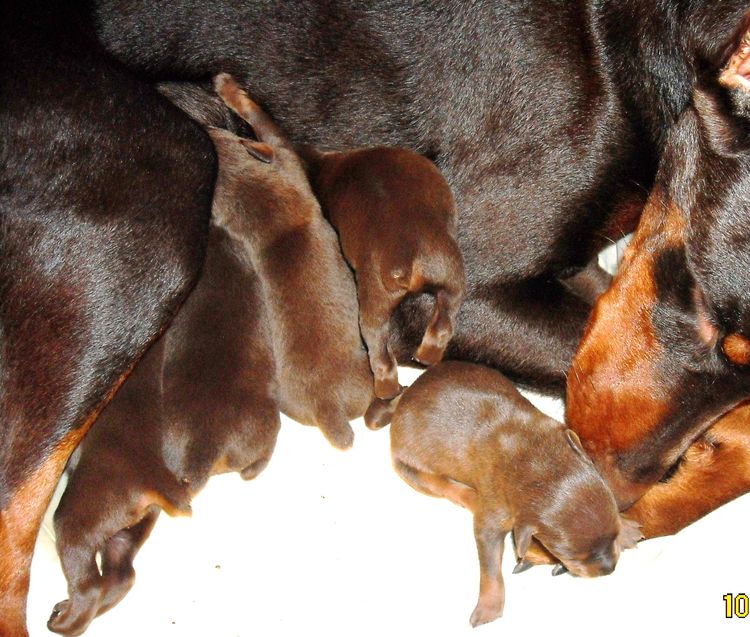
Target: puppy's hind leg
(490, 537)
(437, 486)
(442, 324)
(331, 420)
(72, 616)
(111, 528)
(375, 308)
(118, 575)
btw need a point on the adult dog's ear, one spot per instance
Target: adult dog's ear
(735, 73)
(722, 99)
(724, 116)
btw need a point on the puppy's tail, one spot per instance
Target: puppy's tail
(332, 421)
(380, 412)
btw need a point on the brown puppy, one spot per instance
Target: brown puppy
(395, 216)
(267, 204)
(463, 432)
(155, 445)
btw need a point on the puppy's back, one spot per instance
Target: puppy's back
(450, 418)
(220, 390)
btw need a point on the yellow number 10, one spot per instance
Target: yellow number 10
(736, 606)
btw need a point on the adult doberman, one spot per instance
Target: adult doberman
(549, 121)
(105, 195)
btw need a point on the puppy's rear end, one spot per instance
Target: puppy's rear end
(395, 216)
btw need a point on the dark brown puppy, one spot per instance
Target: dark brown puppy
(213, 410)
(266, 202)
(463, 432)
(395, 216)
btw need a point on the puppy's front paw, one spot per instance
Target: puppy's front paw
(379, 413)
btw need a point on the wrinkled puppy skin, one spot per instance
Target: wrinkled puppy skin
(463, 432)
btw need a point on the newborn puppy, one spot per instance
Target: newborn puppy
(463, 432)
(268, 206)
(395, 217)
(212, 410)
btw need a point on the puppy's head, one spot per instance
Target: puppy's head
(575, 517)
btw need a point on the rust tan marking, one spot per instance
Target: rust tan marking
(737, 349)
(615, 400)
(19, 526)
(155, 498)
(536, 554)
(20, 522)
(715, 469)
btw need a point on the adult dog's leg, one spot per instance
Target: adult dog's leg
(104, 198)
(714, 470)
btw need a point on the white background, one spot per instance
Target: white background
(330, 542)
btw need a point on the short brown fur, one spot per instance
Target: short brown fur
(310, 296)
(395, 216)
(155, 445)
(19, 525)
(462, 431)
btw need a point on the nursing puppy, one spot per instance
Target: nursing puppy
(395, 217)
(463, 432)
(267, 204)
(213, 409)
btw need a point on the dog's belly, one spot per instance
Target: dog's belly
(520, 116)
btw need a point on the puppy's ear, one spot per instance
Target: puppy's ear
(575, 442)
(630, 533)
(260, 150)
(522, 536)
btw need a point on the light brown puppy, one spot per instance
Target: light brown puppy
(463, 432)
(395, 216)
(201, 401)
(323, 372)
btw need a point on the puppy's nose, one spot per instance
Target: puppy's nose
(607, 564)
